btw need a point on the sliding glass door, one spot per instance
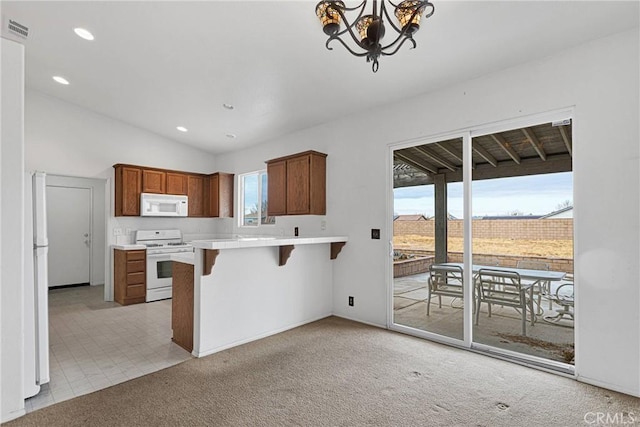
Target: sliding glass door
(492, 270)
(427, 233)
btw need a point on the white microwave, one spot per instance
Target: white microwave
(163, 205)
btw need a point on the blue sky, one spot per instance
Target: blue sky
(536, 194)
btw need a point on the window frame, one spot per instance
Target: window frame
(241, 201)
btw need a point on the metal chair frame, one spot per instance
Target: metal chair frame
(502, 288)
(444, 280)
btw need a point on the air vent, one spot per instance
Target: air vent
(13, 29)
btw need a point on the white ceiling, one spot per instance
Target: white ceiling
(158, 65)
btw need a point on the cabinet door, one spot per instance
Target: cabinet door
(177, 183)
(219, 195)
(153, 181)
(128, 187)
(277, 188)
(214, 199)
(298, 186)
(317, 185)
(195, 187)
(225, 195)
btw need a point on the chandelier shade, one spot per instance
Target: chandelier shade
(364, 33)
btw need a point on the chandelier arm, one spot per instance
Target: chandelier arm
(402, 33)
(332, 5)
(389, 20)
(416, 11)
(413, 42)
(346, 46)
(349, 27)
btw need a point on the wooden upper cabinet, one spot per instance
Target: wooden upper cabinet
(277, 188)
(154, 181)
(195, 192)
(297, 184)
(209, 195)
(219, 195)
(177, 183)
(128, 186)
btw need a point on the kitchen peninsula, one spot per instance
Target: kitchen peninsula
(237, 289)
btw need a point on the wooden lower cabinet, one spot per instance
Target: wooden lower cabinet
(182, 305)
(129, 276)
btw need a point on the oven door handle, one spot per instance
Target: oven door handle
(159, 257)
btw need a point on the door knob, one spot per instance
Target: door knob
(86, 234)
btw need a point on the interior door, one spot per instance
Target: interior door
(69, 228)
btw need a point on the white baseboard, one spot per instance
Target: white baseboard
(360, 321)
(207, 352)
(609, 386)
(13, 415)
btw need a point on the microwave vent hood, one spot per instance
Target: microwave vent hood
(168, 205)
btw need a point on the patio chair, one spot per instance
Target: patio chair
(564, 298)
(544, 286)
(444, 280)
(502, 288)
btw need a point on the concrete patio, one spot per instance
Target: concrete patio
(502, 329)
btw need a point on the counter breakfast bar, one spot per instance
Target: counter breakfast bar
(234, 290)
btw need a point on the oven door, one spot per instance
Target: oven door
(159, 276)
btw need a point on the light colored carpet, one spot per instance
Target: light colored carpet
(336, 372)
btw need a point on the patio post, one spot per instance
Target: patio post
(440, 217)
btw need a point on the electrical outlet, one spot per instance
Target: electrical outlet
(295, 231)
(117, 231)
(350, 301)
(128, 231)
(323, 225)
(375, 233)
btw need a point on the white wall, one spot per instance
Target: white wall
(600, 79)
(12, 231)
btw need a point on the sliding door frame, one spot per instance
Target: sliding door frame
(467, 135)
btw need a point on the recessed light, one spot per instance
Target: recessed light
(231, 135)
(61, 80)
(228, 106)
(85, 34)
(182, 129)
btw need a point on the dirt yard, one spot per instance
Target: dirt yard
(545, 248)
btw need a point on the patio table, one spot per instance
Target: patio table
(537, 276)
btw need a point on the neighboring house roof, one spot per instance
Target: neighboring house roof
(560, 213)
(410, 218)
(512, 217)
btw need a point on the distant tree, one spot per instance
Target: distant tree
(566, 204)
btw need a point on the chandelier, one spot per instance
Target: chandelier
(367, 31)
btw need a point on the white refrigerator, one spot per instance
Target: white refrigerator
(36, 285)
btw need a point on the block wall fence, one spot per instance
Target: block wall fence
(534, 229)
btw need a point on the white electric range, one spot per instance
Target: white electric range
(160, 245)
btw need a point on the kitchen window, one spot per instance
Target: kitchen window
(253, 200)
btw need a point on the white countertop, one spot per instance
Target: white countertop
(129, 247)
(236, 242)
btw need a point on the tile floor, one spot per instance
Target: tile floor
(96, 344)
